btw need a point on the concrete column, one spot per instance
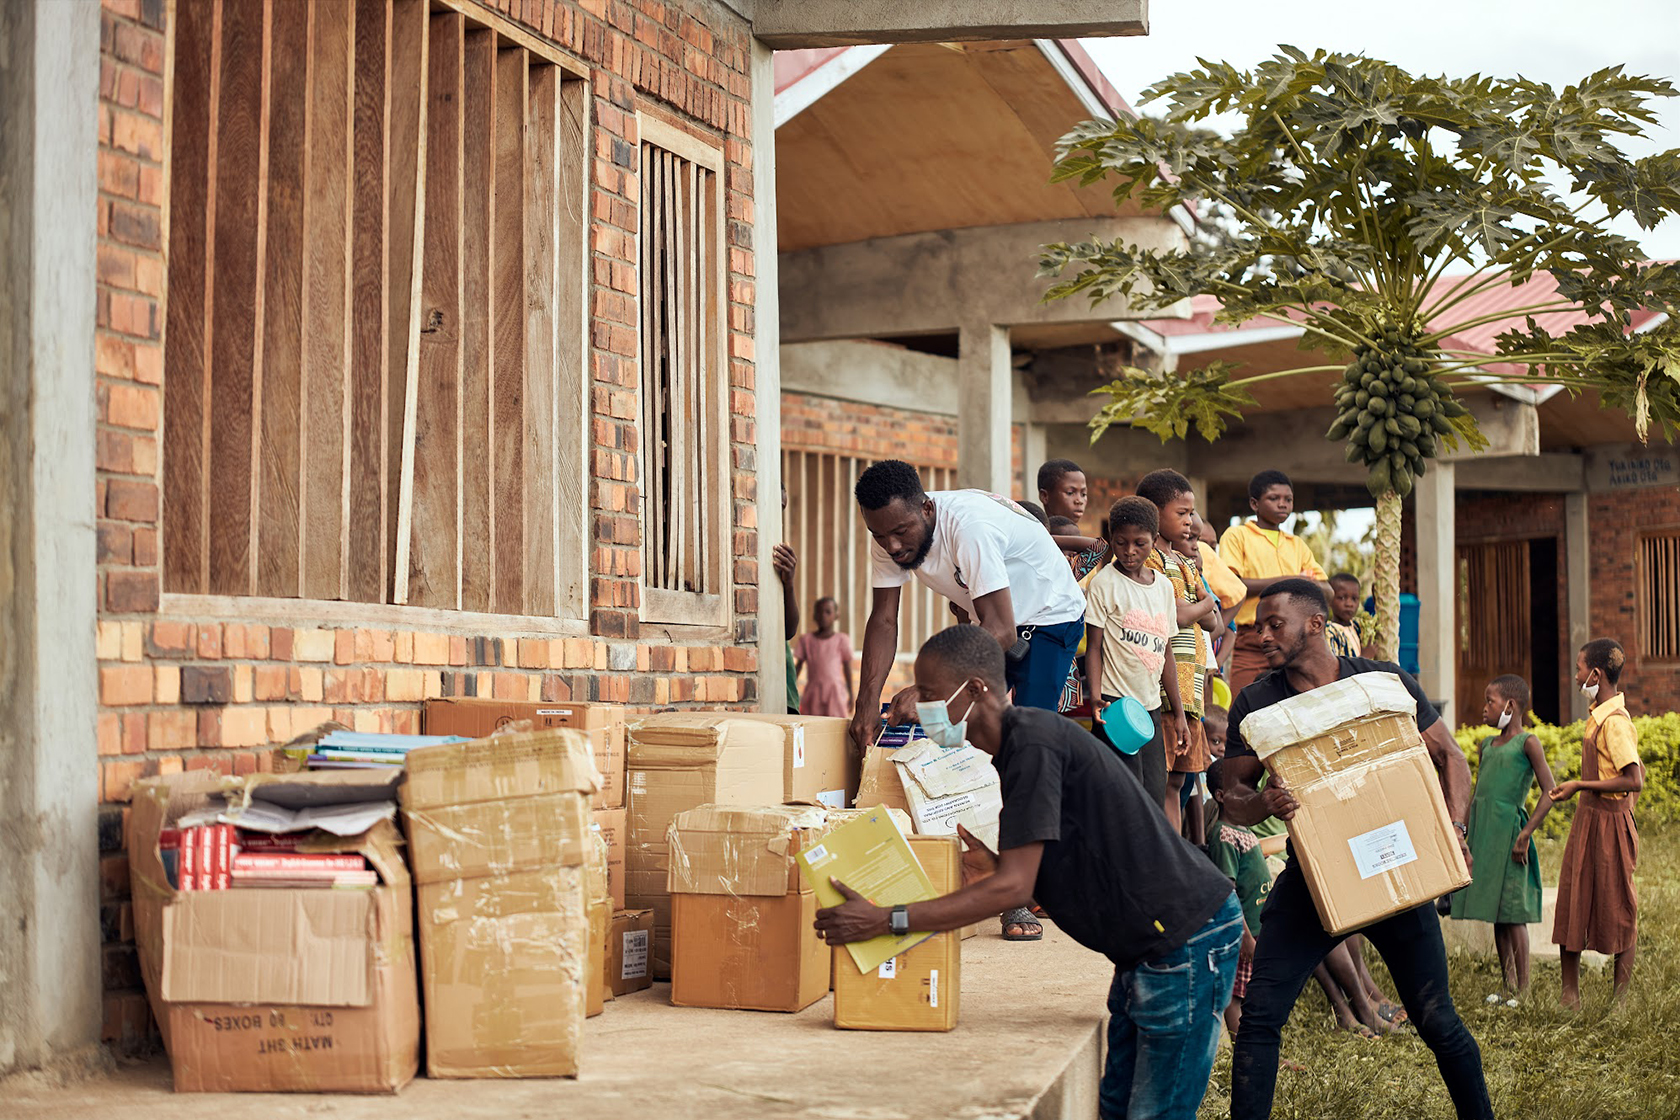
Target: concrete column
(985, 378)
(49, 768)
(767, 382)
(1437, 558)
(1576, 565)
(1034, 451)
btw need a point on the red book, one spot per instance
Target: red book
(186, 860)
(169, 839)
(298, 862)
(206, 845)
(224, 855)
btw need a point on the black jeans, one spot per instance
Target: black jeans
(1293, 942)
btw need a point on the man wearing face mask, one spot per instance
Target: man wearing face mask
(1079, 833)
(1290, 621)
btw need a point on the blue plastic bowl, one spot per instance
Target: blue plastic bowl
(1128, 725)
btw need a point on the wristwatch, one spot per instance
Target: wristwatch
(898, 920)
(1463, 830)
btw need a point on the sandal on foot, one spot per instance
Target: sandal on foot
(1393, 1013)
(1029, 927)
(1359, 1029)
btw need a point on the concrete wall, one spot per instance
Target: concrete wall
(49, 942)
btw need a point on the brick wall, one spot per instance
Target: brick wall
(216, 686)
(1617, 520)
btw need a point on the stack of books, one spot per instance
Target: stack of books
(217, 857)
(897, 735)
(361, 750)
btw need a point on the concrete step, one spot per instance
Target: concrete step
(1028, 1044)
(1476, 938)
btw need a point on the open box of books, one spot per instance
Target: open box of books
(274, 919)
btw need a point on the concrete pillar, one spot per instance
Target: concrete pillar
(1577, 563)
(49, 767)
(985, 379)
(767, 384)
(1034, 451)
(1437, 563)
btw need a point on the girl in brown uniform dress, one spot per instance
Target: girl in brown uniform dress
(1596, 905)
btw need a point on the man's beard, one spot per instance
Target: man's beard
(921, 552)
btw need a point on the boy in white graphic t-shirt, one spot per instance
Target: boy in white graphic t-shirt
(1131, 615)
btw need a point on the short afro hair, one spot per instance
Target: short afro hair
(1346, 577)
(889, 479)
(1299, 591)
(1063, 526)
(1265, 480)
(1605, 655)
(1512, 687)
(1037, 511)
(969, 651)
(1216, 776)
(1051, 473)
(1163, 486)
(1140, 512)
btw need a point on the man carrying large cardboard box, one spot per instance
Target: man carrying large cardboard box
(1291, 619)
(1079, 833)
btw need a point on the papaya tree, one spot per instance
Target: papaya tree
(1348, 191)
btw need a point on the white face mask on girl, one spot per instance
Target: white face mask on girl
(1590, 691)
(935, 718)
(1505, 719)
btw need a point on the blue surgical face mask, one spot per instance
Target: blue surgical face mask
(935, 719)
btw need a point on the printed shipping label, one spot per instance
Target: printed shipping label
(798, 747)
(888, 969)
(1382, 849)
(833, 798)
(933, 988)
(635, 955)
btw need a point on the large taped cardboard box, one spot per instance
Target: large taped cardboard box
(918, 990)
(945, 788)
(819, 766)
(630, 952)
(742, 914)
(614, 826)
(1372, 835)
(600, 921)
(602, 724)
(500, 836)
(278, 990)
(680, 762)
(879, 783)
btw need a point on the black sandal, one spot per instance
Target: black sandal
(1022, 918)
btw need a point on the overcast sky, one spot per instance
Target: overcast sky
(1545, 40)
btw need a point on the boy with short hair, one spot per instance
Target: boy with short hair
(1197, 615)
(1130, 616)
(1261, 553)
(1343, 635)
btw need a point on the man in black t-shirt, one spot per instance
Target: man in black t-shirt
(1291, 620)
(1079, 833)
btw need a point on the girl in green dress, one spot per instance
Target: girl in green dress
(1505, 884)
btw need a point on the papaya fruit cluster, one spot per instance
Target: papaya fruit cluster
(1393, 411)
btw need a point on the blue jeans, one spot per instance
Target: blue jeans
(1039, 676)
(1163, 1027)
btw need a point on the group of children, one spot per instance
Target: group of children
(1160, 602)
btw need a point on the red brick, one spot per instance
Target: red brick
(115, 543)
(210, 641)
(170, 639)
(126, 500)
(131, 592)
(132, 406)
(145, 547)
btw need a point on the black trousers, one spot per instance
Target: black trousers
(1292, 943)
(1149, 764)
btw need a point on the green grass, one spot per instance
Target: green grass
(1542, 1063)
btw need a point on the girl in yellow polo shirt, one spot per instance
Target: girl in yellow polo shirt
(1597, 907)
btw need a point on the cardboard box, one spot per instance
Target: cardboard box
(604, 724)
(613, 824)
(819, 766)
(600, 922)
(742, 934)
(879, 783)
(1372, 834)
(630, 952)
(680, 762)
(917, 990)
(499, 839)
(945, 788)
(278, 990)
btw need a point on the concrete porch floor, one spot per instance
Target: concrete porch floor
(1027, 1044)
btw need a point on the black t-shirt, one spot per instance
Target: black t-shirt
(1115, 877)
(1275, 686)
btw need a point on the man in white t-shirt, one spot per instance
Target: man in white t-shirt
(992, 559)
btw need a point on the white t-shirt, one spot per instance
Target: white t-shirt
(984, 543)
(1137, 623)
